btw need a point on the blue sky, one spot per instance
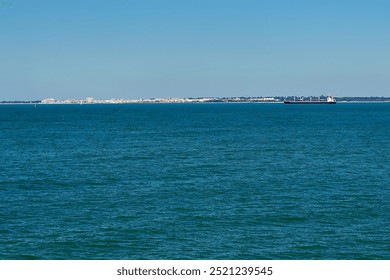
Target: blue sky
(182, 48)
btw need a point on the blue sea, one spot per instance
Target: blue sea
(195, 181)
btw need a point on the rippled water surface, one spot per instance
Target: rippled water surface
(195, 181)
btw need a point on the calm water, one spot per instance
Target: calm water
(195, 181)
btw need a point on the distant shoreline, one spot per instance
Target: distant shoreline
(197, 100)
(162, 103)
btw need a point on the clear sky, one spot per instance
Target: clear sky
(182, 48)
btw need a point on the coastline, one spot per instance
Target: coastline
(200, 100)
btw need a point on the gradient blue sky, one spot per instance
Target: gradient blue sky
(181, 48)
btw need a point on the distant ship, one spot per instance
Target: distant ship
(329, 100)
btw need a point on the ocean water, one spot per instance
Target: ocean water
(195, 181)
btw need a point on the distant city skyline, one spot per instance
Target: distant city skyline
(174, 48)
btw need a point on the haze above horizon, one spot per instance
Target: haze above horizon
(175, 48)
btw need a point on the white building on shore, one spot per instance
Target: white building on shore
(49, 101)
